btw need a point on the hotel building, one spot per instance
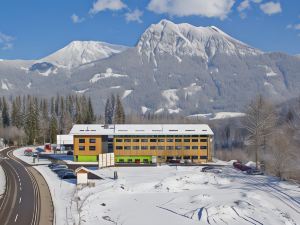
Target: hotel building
(143, 143)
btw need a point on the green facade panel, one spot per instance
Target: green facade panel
(128, 159)
(87, 158)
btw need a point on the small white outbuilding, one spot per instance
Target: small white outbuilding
(82, 175)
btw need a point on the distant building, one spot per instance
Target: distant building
(143, 143)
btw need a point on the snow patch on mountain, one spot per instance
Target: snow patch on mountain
(115, 87)
(28, 85)
(108, 74)
(5, 85)
(193, 88)
(81, 91)
(187, 40)
(80, 52)
(177, 110)
(158, 111)
(171, 97)
(126, 93)
(144, 109)
(226, 115)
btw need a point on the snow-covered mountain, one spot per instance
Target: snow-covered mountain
(174, 68)
(186, 40)
(80, 52)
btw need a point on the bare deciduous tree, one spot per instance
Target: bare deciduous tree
(259, 121)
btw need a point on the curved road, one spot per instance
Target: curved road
(27, 199)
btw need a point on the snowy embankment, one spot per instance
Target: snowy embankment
(2, 182)
(2, 178)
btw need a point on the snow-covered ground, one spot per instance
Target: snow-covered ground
(2, 182)
(168, 195)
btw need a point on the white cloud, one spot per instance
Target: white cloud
(6, 41)
(206, 8)
(134, 16)
(76, 19)
(271, 8)
(293, 26)
(244, 5)
(101, 5)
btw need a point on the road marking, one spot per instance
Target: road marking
(20, 200)
(16, 217)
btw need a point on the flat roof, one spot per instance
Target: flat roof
(141, 129)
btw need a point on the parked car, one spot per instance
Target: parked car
(59, 170)
(254, 172)
(212, 169)
(240, 166)
(52, 165)
(28, 152)
(59, 167)
(70, 153)
(69, 176)
(62, 172)
(39, 149)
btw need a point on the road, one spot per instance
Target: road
(27, 199)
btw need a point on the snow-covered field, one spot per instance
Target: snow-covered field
(166, 195)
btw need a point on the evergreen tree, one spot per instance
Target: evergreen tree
(119, 117)
(31, 122)
(53, 128)
(5, 113)
(108, 112)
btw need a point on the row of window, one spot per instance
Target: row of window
(91, 148)
(91, 140)
(160, 147)
(160, 140)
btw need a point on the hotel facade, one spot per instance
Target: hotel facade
(143, 143)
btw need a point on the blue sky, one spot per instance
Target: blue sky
(31, 29)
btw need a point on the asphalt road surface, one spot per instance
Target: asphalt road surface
(27, 199)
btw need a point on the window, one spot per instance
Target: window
(136, 140)
(92, 148)
(127, 147)
(169, 140)
(177, 140)
(187, 147)
(121, 160)
(81, 140)
(119, 147)
(170, 147)
(178, 147)
(194, 157)
(194, 140)
(119, 140)
(145, 161)
(127, 140)
(135, 148)
(203, 140)
(186, 157)
(161, 147)
(153, 140)
(92, 140)
(129, 160)
(81, 148)
(203, 156)
(152, 147)
(203, 147)
(187, 140)
(161, 140)
(144, 140)
(203, 136)
(144, 147)
(194, 147)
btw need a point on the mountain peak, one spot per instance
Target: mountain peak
(184, 39)
(77, 53)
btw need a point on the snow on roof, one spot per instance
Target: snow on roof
(141, 129)
(82, 168)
